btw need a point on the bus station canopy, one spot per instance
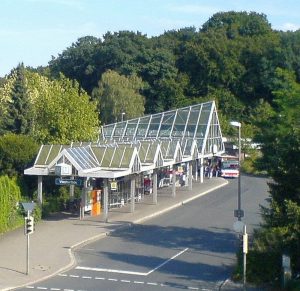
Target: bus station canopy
(137, 145)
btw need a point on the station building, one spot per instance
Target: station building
(135, 157)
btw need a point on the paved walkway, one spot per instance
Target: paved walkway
(53, 240)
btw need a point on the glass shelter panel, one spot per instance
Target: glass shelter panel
(166, 124)
(143, 126)
(154, 125)
(180, 122)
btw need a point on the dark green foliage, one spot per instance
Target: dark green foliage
(18, 116)
(16, 154)
(10, 214)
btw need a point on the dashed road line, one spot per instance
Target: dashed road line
(125, 281)
(86, 277)
(138, 282)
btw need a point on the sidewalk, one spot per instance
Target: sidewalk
(53, 240)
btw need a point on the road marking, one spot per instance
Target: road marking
(167, 261)
(150, 283)
(193, 288)
(99, 278)
(30, 287)
(62, 275)
(111, 271)
(86, 277)
(54, 289)
(131, 272)
(111, 279)
(138, 282)
(41, 288)
(74, 276)
(125, 281)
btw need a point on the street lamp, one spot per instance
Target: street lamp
(122, 118)
(239, 213)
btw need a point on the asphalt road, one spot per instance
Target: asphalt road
(190, 248)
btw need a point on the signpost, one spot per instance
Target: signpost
(28, 228)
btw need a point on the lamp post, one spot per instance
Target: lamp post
(239, 213)
(122, 118)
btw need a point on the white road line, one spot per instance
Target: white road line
(138, 282)
(74, 276)
(30, 287)
(150, 283)
(111, 271)
(86, 277)
(130, 272)
(99, 278)
(125, 281)
(111, 279)
(55, 289)
(193, 288)
(41, 288)
(167, 261)
(68, 290)
(62, 275)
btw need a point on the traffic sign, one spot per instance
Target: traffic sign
(238, 213)
(60, 181)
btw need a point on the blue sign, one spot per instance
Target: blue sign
(61, 182)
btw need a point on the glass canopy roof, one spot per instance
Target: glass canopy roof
(154, 140)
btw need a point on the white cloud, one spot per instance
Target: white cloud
(289, 26)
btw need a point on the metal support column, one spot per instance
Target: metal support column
(173, 182)
(154, 187)
(132, 193)
(105, 200)
(40, 190)
(201, 170)
(190, 176)
(83, 198)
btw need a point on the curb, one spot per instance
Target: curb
(141, 220)
(102, 235)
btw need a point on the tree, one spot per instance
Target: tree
(18, 111)
(118, 94)
(78, 62)
(280, 139)
(16, 153)
(63, 111)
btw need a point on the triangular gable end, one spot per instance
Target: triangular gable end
(213, 141)
(178, 153)
(63, 157)
(135, 163)
(158, 159)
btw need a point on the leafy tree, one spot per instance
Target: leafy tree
(63, 111)
(16, 153)
(79, 62)
(118, 94)
(17, 115)
(280, 138)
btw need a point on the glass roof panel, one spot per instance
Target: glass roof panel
(119, 129)
(55, 150)
(83, 157)
(143, 126)
(167, 124)
(43, 154)
(154, 125)
(127, 157)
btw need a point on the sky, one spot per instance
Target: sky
(34, 31)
